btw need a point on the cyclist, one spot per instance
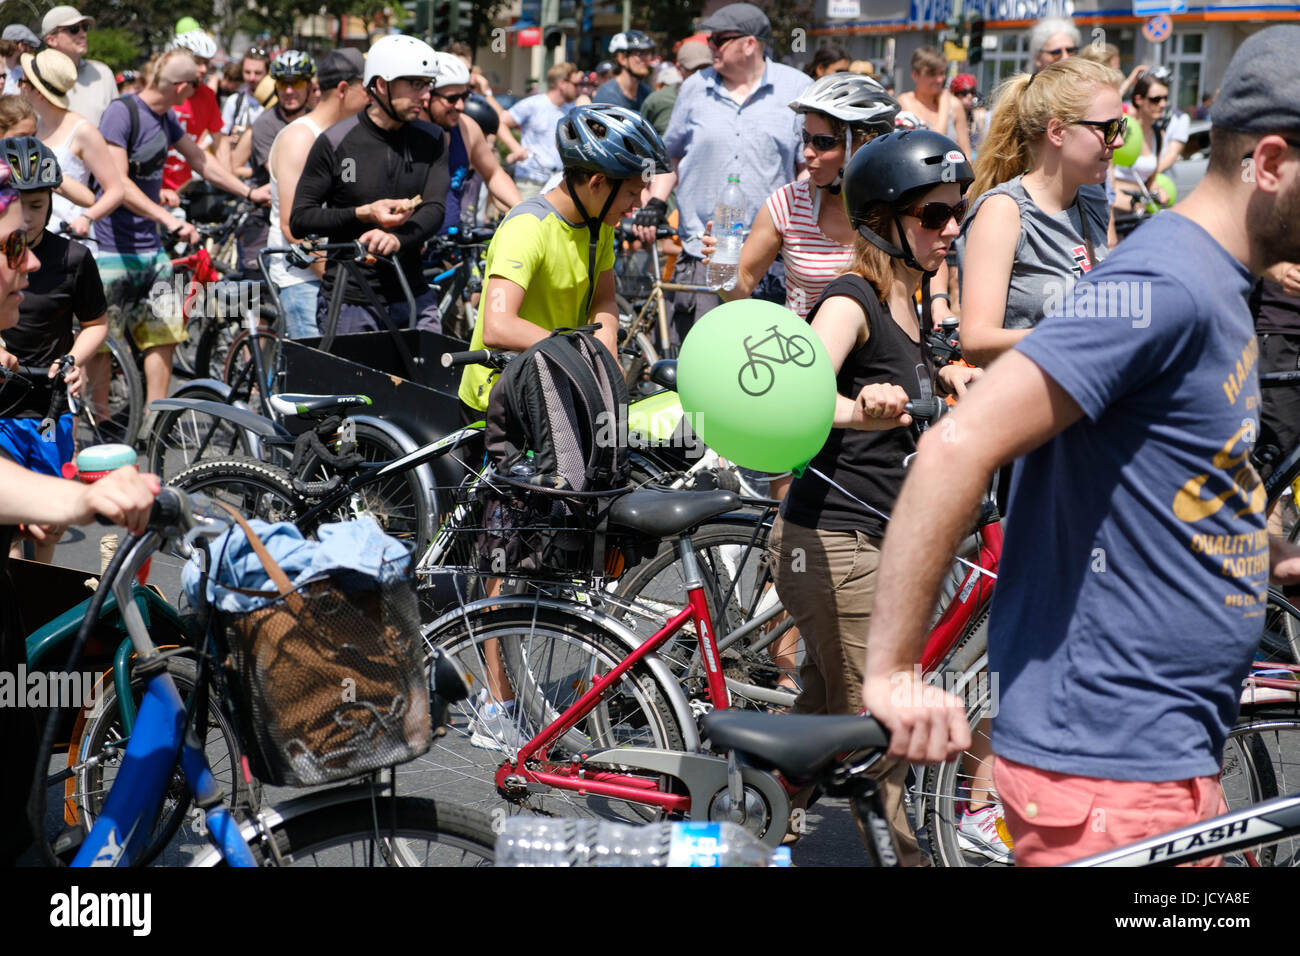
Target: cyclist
(964, 87)
(1121, 628)
(242, 108)
(1150, 96)
(550, 265)
(342, 95)
(66, 30)
(903, 193)
(380, 177)
(78, 145)
(627, 87)
(67, 288)
(130, 249)
(935, 107)
(468, 151)
(536, 117)
(199, 116)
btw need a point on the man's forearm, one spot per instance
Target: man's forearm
(503, 189)
(937, 506)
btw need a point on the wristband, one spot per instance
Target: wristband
(941, 295)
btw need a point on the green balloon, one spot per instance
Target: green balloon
(1164, 182)
(1128, 154)
(758, 385)
(186, 24)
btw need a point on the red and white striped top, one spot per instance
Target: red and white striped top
(812, 259)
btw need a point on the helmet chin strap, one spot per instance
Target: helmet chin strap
(386, 104)
(593, 227)
(835, 185)
(903, 251)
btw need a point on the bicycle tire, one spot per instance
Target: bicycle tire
(400, 503)
(238, 364)
(253, 488)
(426, 833)
(550, 658)
(656, 589)
(100, 736)
(182, 437)
(118, 419)
(214, 344)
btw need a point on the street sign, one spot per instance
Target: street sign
(843, 9)
(1154, 8)
(1158, 29)
(530, 36)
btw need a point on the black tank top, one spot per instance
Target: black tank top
(868, 465)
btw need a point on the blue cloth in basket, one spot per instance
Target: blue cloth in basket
(357, 554)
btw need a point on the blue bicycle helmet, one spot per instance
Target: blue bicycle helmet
(610, 139)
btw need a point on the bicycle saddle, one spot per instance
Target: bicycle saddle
(800, 746)
(665, 513)
(292, 403)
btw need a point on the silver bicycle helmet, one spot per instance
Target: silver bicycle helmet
(292, 64)
(199, 42)
(856, 100)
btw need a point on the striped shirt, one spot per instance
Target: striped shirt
(812, 259)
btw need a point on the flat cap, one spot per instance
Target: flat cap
(1260, 93)
(739, 18)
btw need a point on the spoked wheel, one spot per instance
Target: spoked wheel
(239, 370)
(253, 488)
(182, 437)
(112, 397)
(738, 586)
(550, 660)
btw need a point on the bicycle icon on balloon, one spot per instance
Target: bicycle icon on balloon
(756, 375)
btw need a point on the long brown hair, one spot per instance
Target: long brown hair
(869, 260)
(1025, 104)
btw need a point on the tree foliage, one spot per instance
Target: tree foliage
(116, 47)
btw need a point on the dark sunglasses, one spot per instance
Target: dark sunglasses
(74, 30)
(822, 142)
(935, 215)
(453, 97)
(1111, 129)
(1068, 50)
(15, 248)
(718, 42)
(1158, 99)
(255, 51)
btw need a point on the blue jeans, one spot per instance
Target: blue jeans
(298, 303)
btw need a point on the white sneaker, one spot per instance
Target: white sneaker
(494, 726)
(978, 833)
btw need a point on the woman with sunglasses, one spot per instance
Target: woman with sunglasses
(904, 198)
(1040, 218)
(1150, 97)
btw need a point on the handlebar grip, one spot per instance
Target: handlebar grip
(474, 357)
(168, 508)
(925, 409)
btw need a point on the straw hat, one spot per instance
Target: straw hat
(52, 73)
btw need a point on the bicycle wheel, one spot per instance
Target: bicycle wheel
(400, 831)
(181, 437)
(550, 660)
(99, 757)
(112, 397)
(253, 488)
(238, 369)
(737, 585)
(400, 503)
(1261, 759)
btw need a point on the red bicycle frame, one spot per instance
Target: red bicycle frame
(969, 602)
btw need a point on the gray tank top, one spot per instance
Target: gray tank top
(1051, 249)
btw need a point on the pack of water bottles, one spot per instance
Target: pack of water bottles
(535, 841)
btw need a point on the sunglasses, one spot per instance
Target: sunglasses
(15, 248)
(718, 42)
(822, 142)
(453, 97)
(1063, 50)
(291, 84)
(188, 81)
(74, 30)
(1111, 129)
(1158, 99)
(255, 51)
(935, 215)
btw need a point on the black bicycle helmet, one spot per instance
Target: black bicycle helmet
(610, 139)
(892, 170)
(34, 164)
(478, 109)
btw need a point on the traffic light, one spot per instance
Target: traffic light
(441, 27)
(554, 37)
(976, 52)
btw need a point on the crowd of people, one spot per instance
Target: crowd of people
(861, 204)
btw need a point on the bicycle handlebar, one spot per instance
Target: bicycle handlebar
(623, 231)
(926, 409)
(490, 357)
(38, 374)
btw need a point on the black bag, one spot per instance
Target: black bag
(559, 411)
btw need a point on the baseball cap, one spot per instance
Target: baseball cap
(1257, 94)
(62, 16)
(17, 33)
(340, 66)
(739, 18)
(693, 55)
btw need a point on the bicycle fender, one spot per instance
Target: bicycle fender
(611, 626)
(248, 420)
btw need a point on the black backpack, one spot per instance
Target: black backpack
(559, 412)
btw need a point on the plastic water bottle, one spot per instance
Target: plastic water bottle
(535, 841)
(524, 468)
(729, 223)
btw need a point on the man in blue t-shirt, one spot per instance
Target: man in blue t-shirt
(632, 52)
(1136, 564)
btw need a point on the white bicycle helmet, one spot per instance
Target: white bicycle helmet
(396, 56)
(198, 42)
(632, 41)
(452, 71)
(856, 100)
(292, 64)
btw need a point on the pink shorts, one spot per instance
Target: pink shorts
(1054, 818)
